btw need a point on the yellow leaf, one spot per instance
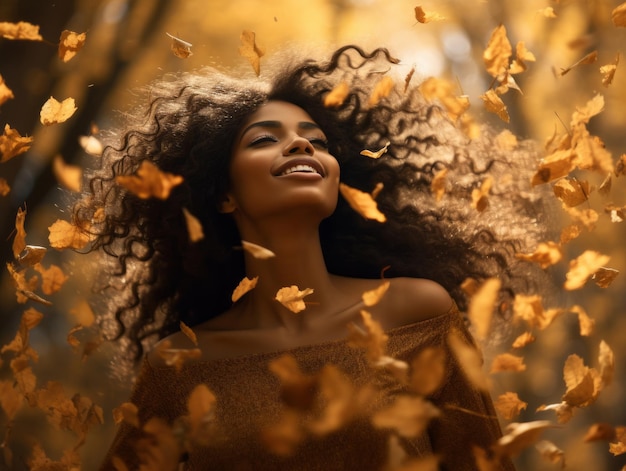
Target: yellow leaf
(372, 297)
(480, 200)
(556, 165)
(201, 407)
(292, 298)
(546, 254)
(243, 287)
(438, 184)
(618, 15)
(564, 411)
(250, 50)
(382, 89)
(180, 48)
(19, 242)
(91, 145)
(64, 235)
(372, 339)
(20, 30)
(408, 416)
(13, 144)
(522, 55)
(337, 95)
(507, 362)
(494, 104)
(498, 52)
(600, 431)
(470, 361)
(586, 324)
(583, 267)
(482, 305)
(176, 357)
(194, 227)
(578, 381)
(257, 251)
(189, 333)
(423, 17)
(529, 308)
(53, 111)
(509, 405)
(619, 447)
(83, 313)
(548, 12)
(127, 412)
(587, 59)
(606, 359)
(69, 176)
(150, 182)
(608, 72)
(428, 370)
(444, 91)
(5, 189)
(551, 452)
(519, 436)
(375, 154)
(523, 339)
(362, 203)
(572, 191)
(70, 43)
(5, 92)
(52, 279)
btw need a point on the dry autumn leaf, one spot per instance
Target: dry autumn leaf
(24, 289)
(583, 267)
(149, 182)
(194, 226)
(603, 276)
(70, 43)
(176, 357)
(556, 165)
(54, 112)
(5, 189)
(564, 411)
(91, 145)
(587, 59)
(428, 370)
(19, 241)
(509, 405)
(606, 359)
(426, 17)
(444, 91)
(494, 104)
(519, 436)
(372, 339)
(618, 446)
(482, 305)
(363, 203)
(618, 15)
(522, 55)
(64, 235)
(250, 50)
(507, 362)
(572, 191)
(337, 95)
(498, 52)
(69, 176)
(180, 48)
(201, 408)
(586, 324)
(548, 12)
(529, 308)
(52, 278)
(546, 254)
(372, 297)
(600, 432)
(13, 144)
(376, 154)
(608, 71)
(579, 382)
(470, 361)
(382, 89)
(189, 333)
(292, 298)
(126, 412)
(551, 452)
(5, 92)
(83, 314)
(523, 339)
(408, 416)
(245, 285)
(20, 30)
(438, 184)
(257, 251)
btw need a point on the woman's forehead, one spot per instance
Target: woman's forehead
(276, 110)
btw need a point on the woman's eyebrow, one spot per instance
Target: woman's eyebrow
(278, 124)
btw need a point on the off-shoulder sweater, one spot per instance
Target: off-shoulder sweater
(248, 399)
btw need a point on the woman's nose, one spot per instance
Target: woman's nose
(299, 145)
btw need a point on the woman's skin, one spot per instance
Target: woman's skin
(282, 211)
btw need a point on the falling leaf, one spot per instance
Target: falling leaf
(523, 339)
(20, 343)
(426, 17)
(292, 298)
(337, 95)
(546, 254)
(438, 184)
(91, 145)
(482, 305)
(5, 189)
(150, 182)
(53, 111)
(522, 55)
(71, 338)
(507, 362)
(529, 308)
(372, 297)
(408, 416)
(618, 15)
(509, 405)
(70, 43)
(470, 361)
(608, 72)
(407, 79)
(606, 359)
(11, 400)
(176, 357)
(600, 432)
(52, 278)
(376, 154)
(572, 192)
(297, 390)
(519, 436)
(579, 382)
(382, 89)
(603, 276)
(32, 255)
(83, 313)
(494, 104)
(5, 92)
(126, 412)
(180, 48)
(362, 203)
(194, 226)
(428, 370)
(201, 407)
(556, 165)
(69, 176)
(584, 321)
(250, 50)
(243, 287)
(618, 447)
(583, 267)
(257, 251)
(20, 30)
(189, 333)
(372, 339)
(551, 452)
(162, 451)
(64, 235)
(480, 200)
(548, 12)
(444, 91)
(13, 144)
(283, 436)
(19, 242)
(587, 59)
(506, 140)
(498, 52)
(564, 411)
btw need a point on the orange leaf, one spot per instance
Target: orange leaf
(52, 279)
(587, 59)
(243, 287)
(551, 452)
(523, 340)
(444, 91)
(382, 89)
(127, 412)
(5, 189)
(618, 15)
(372, 339)
(482, 305)
(608, 72)
(180, 48)
(578, 381)
(470, 361)
(13, 144)
(69, 176)
(83, 313)
(53, 111)
(546, 254)
(91, 145)
(363, 203)
(618, 447)
(428, 370)
(70, 43)
(250, 50)
(257, 251)
(438, 184)
(556, 165)
(408, 416)
(372, 297)
(19, 242)
(564, 411)
(585, 322)
(149, 181)
(337, 95)
(376, 154)
(176, 357)
(603, 276)
(600, 431)
(519, 436)
(572, 192)
(494, 104)
(5, 92)
(292, 298)
(423, 17)
(194, 227)
(507, 362)
(498, 52)
(606, 358)
(189, 333)
(201, 407)
(64, 235)
(509, 405)
(20, 30)
(548, 12)
(583, 267)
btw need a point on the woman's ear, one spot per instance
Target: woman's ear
(227, 204)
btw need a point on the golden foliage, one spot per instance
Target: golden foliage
(251, 51)
(292, 298)
(54, 112)
(70, 44)
(149, 182)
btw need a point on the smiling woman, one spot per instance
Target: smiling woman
(273, 384)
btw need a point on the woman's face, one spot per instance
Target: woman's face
(280, 163)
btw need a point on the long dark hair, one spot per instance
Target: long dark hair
(155, 277)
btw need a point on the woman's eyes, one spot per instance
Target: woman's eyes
(318, 142)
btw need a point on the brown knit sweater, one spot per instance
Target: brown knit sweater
(248, 399)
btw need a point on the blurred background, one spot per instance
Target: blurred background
(127, 46)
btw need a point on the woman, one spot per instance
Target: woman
(262, 162)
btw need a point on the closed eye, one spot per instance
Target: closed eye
(262, 139)
(319, 143)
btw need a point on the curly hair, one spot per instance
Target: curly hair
(156, 278)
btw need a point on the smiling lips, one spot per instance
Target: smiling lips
(300, 166)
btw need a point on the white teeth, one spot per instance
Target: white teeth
(299, 168)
